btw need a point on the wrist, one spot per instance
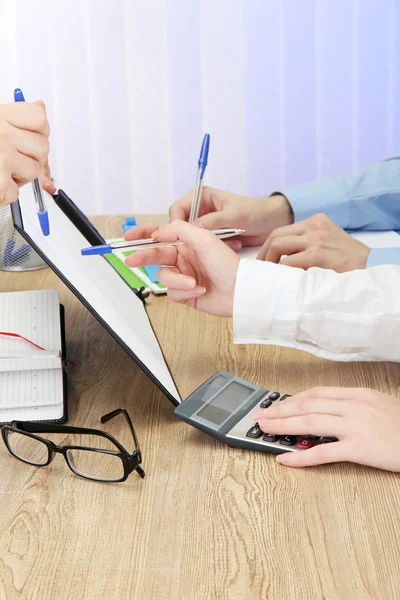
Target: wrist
(281, 208)
(363, 257)
(284, 207)
(355, 259)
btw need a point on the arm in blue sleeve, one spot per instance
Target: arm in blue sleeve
(368, 199)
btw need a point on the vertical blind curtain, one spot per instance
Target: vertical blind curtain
(290, 90)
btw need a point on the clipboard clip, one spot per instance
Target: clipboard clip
(141, 294)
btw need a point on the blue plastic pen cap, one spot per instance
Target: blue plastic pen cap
(18, 95)
(92, 250)
(44, 222)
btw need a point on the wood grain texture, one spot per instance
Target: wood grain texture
(207, 522)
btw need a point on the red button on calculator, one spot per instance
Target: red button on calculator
(304, 443)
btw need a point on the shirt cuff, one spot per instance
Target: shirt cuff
(325, 195)
(264, 308)
(383, 256)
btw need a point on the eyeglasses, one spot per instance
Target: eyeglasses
(97, 464)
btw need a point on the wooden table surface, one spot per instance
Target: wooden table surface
(208, 521)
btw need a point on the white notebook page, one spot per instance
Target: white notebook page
(34, 315)
(31, 380)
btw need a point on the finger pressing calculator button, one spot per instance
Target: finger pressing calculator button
(254, 432)
(270, 437)
(288, 440)
(303, 443)
(274, 396)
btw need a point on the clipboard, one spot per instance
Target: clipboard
(138, 339)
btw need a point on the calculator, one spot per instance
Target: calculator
(222, 407)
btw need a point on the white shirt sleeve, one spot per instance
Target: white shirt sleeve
(340, 316)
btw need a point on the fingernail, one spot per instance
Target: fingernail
(199, 291)
(198, 223)
(283, 458)
(262, 419)
(236, 245)
(258, 414)
(156, 234)
(189, 283)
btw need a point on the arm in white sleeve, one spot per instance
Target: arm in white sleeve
(353, 316)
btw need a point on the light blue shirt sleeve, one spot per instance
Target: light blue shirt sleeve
(383, 256)
(368, 199)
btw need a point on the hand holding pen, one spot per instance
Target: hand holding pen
(205, 269)
(37, 191)
(24, 146)
(150, 243)
(141, 244)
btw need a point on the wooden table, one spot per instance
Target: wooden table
(207, 522)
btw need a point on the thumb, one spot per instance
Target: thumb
(46, 178)
(216, 220)
(40, 103)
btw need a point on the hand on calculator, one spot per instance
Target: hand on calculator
(365, 422)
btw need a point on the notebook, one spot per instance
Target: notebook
(32, 380)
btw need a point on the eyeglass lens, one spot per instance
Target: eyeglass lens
(99, 465)
(28, 449)
(96, 465)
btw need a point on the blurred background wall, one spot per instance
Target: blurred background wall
(290, 90)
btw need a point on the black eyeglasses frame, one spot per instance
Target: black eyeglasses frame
(131, 462)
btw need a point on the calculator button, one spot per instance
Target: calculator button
(254, 432)
(303, 443)
(270, 437)
(284, 397)
(274, 396)
(288, 440)
(328, 440)
(265, 403)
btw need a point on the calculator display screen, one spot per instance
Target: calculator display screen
(226, 402)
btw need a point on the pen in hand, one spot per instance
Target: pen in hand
(37, 190)
(150, 243)
(194, 210)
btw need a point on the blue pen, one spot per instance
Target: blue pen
(37, 190)
(194, 210)
(150, 243)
